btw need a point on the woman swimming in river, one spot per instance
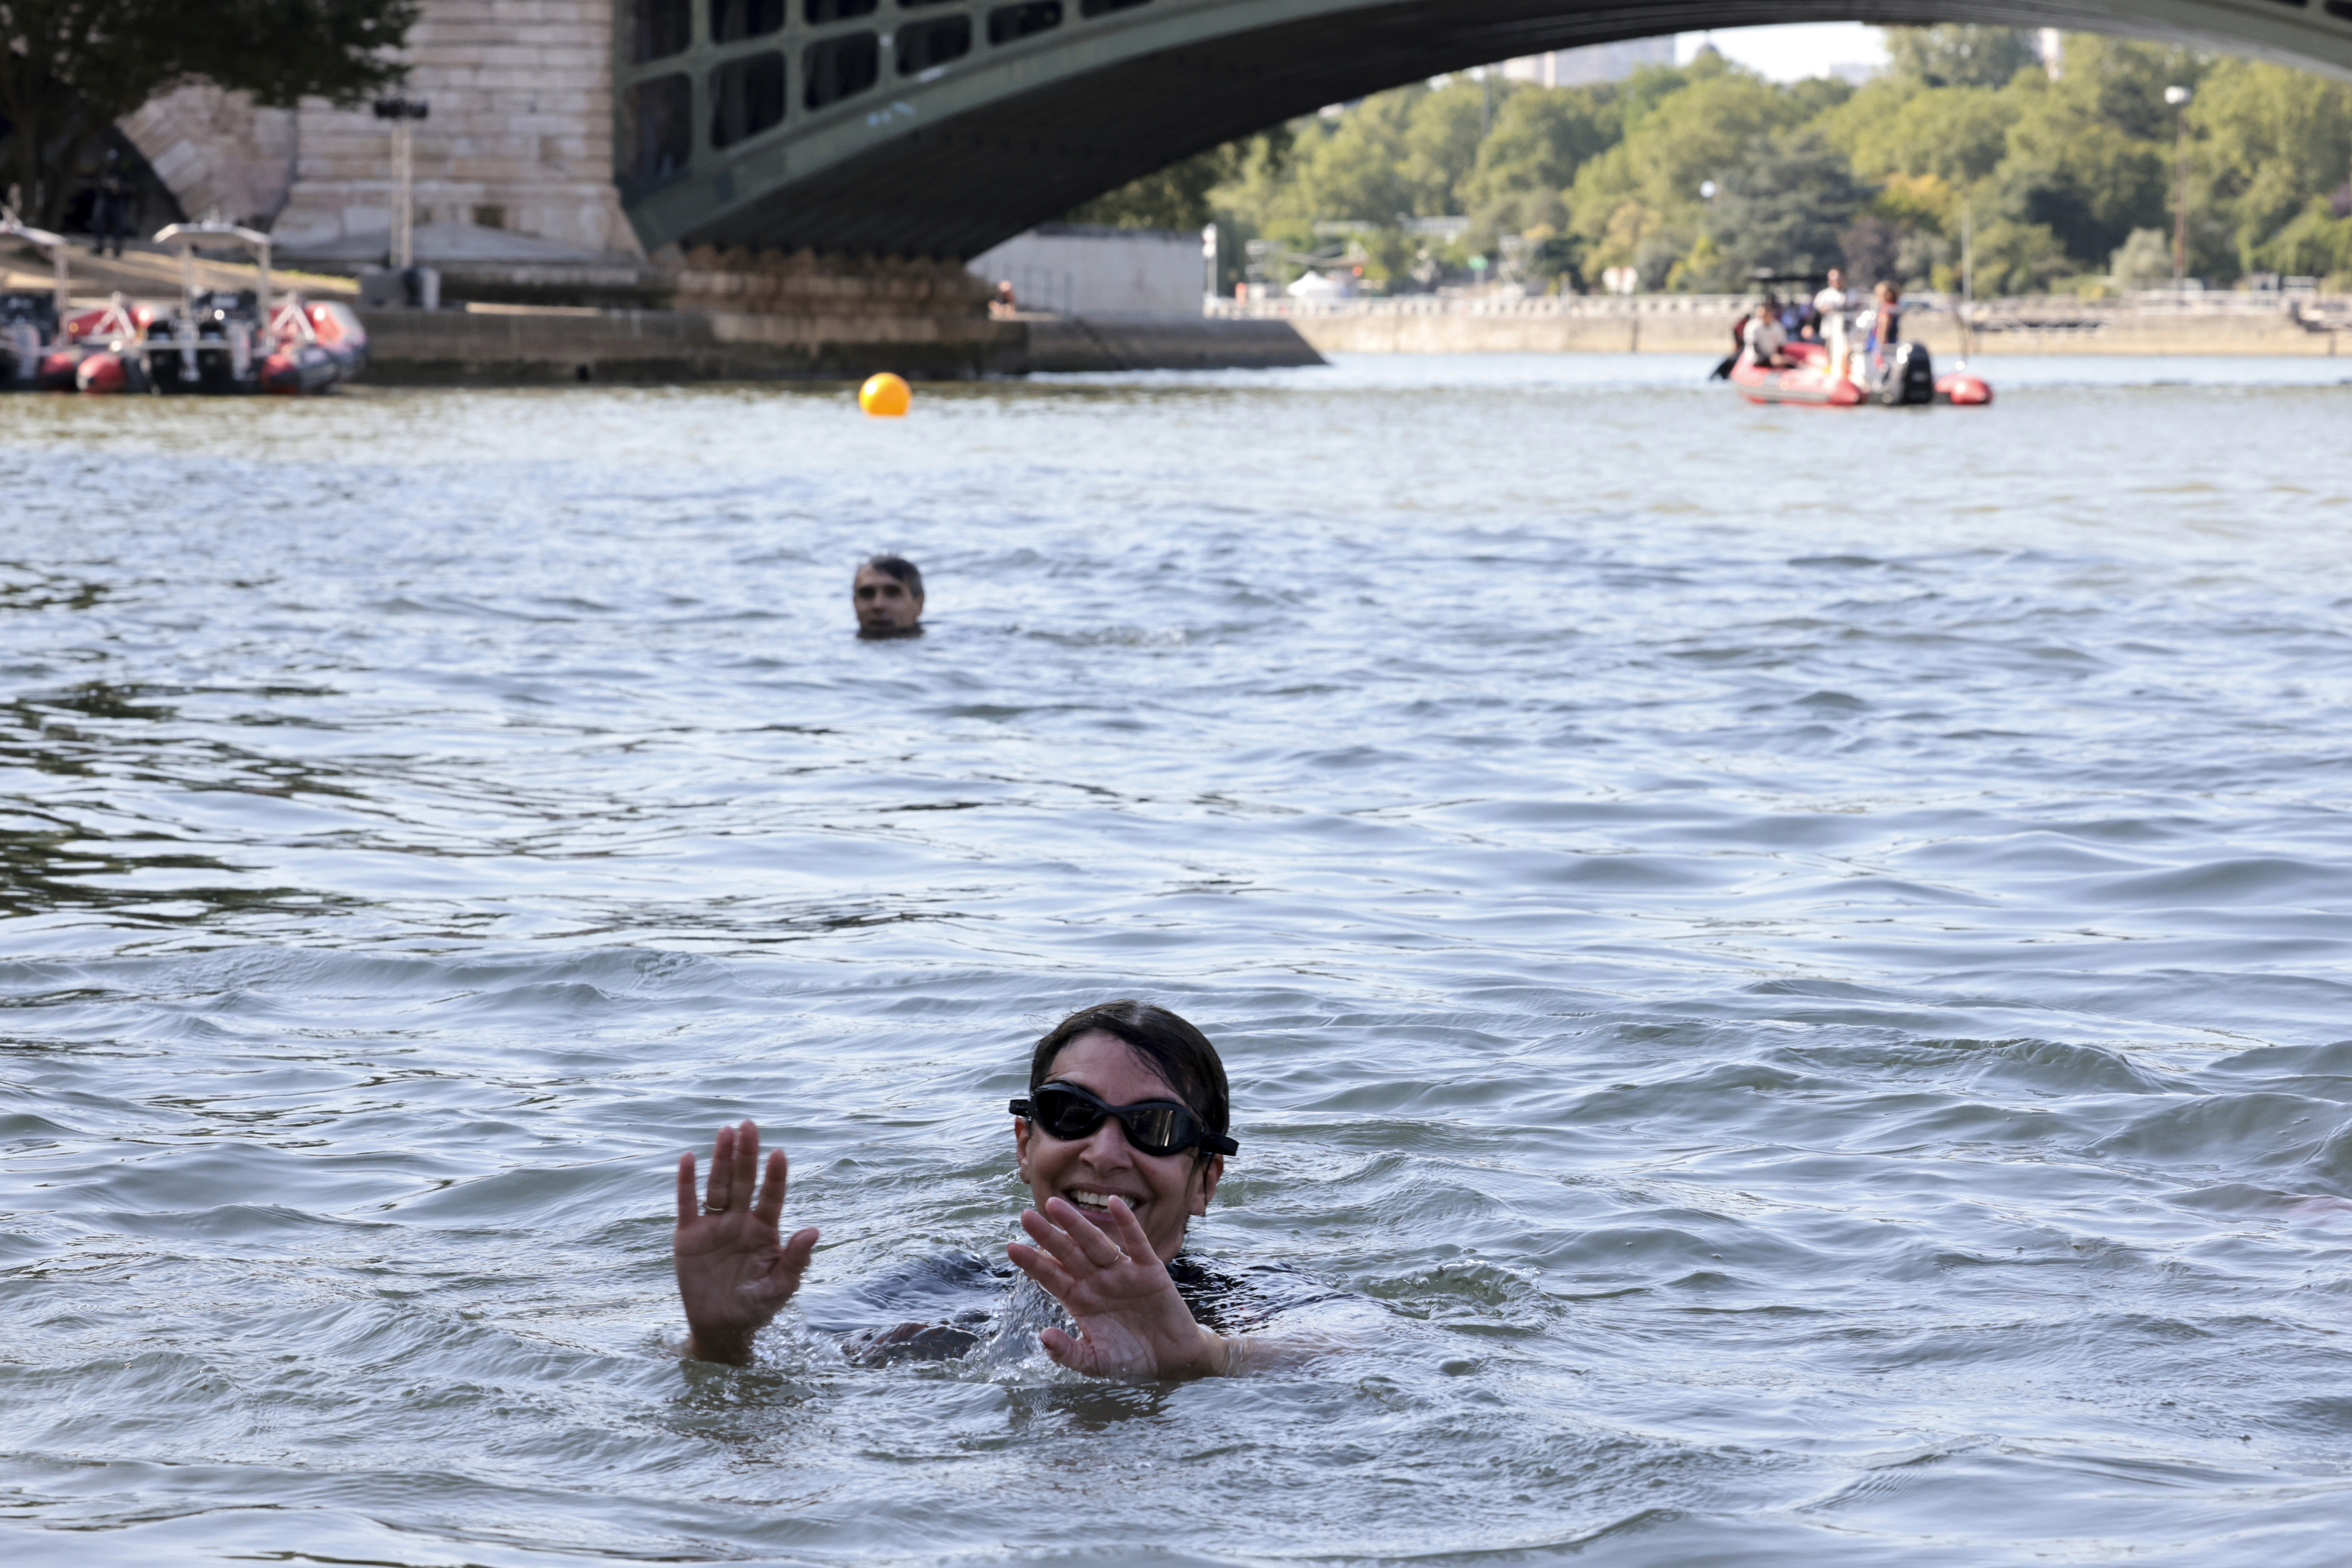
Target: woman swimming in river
(1122, 1139)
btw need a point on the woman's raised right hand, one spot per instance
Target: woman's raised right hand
(734, 1270)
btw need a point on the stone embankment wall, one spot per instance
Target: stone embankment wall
(739, 315)
(805, 286)
(522, 346)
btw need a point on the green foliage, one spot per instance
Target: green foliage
(2064, 176)
(2081, 178)
(2268, 140)
(1894, 126)
(2317, 243)
(1959, 57)
(1786, 209)
(2013, 257)
(1541, 137)
(2142, 261)
(69, 68)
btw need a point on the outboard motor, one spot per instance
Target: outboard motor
(216, 332)
(1909, 376)
(29, 323)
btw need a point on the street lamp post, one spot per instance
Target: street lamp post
(403, 113)
(2179, 97)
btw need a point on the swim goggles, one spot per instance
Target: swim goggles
(1066, 1112)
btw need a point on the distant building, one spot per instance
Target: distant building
(1596, 63)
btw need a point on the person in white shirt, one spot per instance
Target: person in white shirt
(1830, 305)
(1764, 336)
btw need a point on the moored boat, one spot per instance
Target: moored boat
(216, 340)
(233, 340)
(30, 322)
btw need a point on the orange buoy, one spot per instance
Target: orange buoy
(886, 396)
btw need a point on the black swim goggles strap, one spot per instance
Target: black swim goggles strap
(1066, 1112)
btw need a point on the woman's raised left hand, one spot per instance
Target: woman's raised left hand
(1132, 1321)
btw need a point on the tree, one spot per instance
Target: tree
(1787, 209)
(2087, 182)
(1443, 129)
(1894, 127)
(1951, 56)
(2317, 243)
(71, 68)
(2143, 260)
(1540, 138)
(2014, 257)
(2270, 139)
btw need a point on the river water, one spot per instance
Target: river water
(1795, 963)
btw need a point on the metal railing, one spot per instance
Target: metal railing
(2024, 312)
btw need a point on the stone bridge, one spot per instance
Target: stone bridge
(570, 138)
(941, 127)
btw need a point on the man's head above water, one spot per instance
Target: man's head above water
(887, 595)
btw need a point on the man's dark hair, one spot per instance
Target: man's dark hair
(1180, 1053)
(898, 566)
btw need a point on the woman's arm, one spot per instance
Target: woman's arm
(734, 1270)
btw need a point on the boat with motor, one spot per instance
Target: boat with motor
(217, 340)
(1894, 375)
(30, 322)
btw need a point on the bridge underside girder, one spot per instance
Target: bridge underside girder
(955, 186)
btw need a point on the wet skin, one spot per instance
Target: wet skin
(884, 607)
(1107, 1220)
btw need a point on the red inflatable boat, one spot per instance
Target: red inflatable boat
(1897, 376)
(217, 340)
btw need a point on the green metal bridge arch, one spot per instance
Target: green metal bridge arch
(941, 127)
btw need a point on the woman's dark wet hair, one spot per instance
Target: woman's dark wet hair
(905, 572)
(1179, 1053)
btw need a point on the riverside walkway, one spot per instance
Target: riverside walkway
(2213, 321)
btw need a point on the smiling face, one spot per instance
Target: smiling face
(1164, 1190)
(884, 606)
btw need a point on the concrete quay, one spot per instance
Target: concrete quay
(1698, 324)
(528, 346)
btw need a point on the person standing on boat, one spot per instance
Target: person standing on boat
(1830, 305)
(1886, 319)
(111, 212)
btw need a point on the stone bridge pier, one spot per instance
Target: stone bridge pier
(514, 178)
